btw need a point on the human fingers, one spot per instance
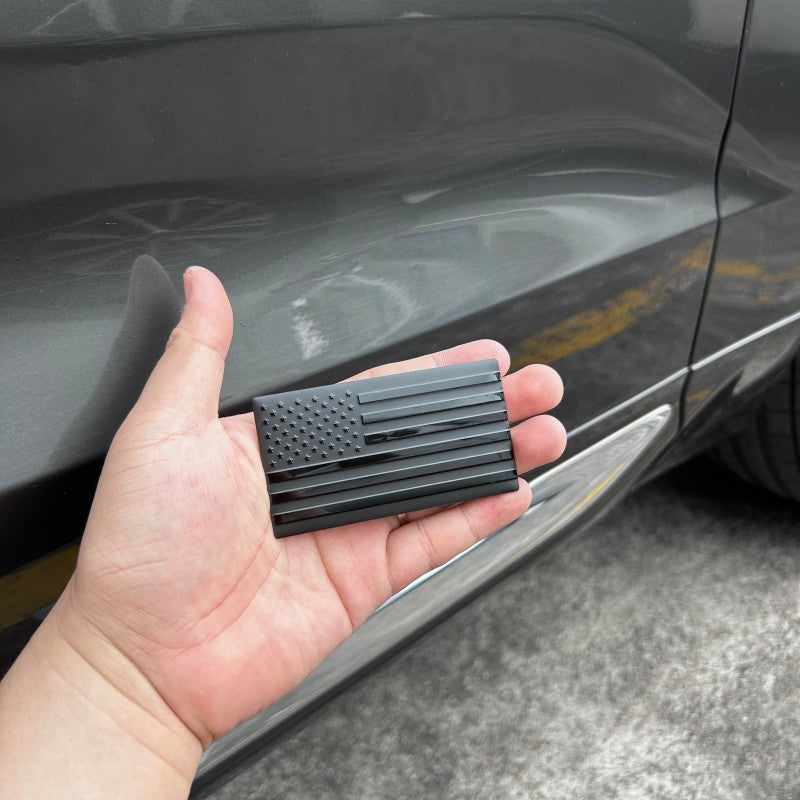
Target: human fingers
(477, 350)
(186, 381)
(532, 390)
(536, 441)
(424, 544)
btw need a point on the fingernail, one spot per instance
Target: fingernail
(188, 282)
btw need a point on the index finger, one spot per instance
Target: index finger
(477, 350)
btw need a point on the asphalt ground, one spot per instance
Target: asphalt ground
(655, 655)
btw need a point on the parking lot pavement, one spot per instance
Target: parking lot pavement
(656, 655)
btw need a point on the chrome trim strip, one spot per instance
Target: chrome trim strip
(631, 401)
(565, 496)
(739, 343)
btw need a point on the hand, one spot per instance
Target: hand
(179, 573)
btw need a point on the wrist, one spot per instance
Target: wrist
(71, 686)
(121, 688)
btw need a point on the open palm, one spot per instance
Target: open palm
(179, 568)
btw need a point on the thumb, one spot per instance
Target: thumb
(185, 384)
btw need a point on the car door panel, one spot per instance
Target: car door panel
(750, 325)
(367, 191)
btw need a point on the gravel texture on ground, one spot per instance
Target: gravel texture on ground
(656, 655)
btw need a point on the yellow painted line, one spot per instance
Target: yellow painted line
(699, 257)
(590, 328)
(699, 396)
(750, 271)
(35, 585)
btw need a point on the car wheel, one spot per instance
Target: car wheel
(766, 451)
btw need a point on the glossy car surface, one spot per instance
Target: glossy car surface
(608, 187)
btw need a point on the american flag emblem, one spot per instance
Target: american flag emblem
(370, 448)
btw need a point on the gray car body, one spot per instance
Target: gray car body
(608, 187)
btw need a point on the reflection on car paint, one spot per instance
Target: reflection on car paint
(437, 198)
(152, 310)
(26, 590)
(174, 230)
(618, 314)
(756, 278)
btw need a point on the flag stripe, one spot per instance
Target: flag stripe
(429, 442)
(400, 408)
(408, 487)
(437, 421)
(433, 500)
(390, 470)
(471, 378)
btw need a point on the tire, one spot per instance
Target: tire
(766, 451)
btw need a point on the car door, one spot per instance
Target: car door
(750, 323)
(368, 182)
